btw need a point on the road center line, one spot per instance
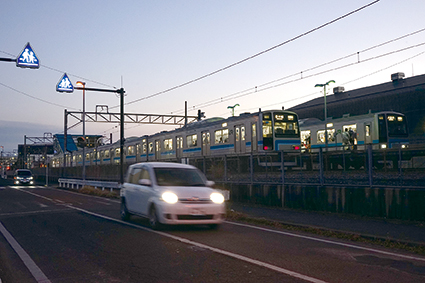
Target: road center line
(27, 260)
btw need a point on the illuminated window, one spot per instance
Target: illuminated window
(130, 150)
(192, 140)
(205, 138)
(168, 144)
(221, 136)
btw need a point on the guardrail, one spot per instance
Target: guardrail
(78, 183)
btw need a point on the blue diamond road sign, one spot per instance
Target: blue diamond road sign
(64, 85)
(27, 58)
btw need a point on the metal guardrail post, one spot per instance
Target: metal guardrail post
(322, 181)
(251, 168)
(283, 168)
(370, 164)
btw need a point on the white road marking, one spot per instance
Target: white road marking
(216, 250)
(253, 227)
(29, 263)
(42, 205)
(327, 241)
(186, 241)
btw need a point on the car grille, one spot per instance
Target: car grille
(195, 217)
(195, 200)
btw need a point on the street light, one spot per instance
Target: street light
(233, 108)
(83, 85)
(326, 111)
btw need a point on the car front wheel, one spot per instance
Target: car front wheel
(125, 215)
(153, 219)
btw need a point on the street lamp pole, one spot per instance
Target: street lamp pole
(83, 84)
(326, 111)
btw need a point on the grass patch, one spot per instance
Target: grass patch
(232, 215)
(89, 190)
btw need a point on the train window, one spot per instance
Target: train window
(150, 147)
(397, 126)
(221, 136)
(179, 142)
(138, 149)
(237, 134)
(254, 130)
(267, 129)
(107, 153)
(321, 136)
(367, 130)
(130, 150)
(352, 132)
(117, 152)
(243, 133)
(168, 144)
(192, 140)
(306, 138)
(205, 138)
(80, 158)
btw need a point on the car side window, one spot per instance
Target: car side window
(144, 174)
(135, 175)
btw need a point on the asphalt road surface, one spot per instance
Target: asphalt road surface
(52, 235)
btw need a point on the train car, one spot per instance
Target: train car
(263, 131)
(386, 129)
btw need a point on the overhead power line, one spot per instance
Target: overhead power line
(253, 56)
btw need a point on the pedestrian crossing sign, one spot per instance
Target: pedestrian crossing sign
(27, 58)
(64, 84)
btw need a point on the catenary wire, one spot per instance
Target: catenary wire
(251, 57)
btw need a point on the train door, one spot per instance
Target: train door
(254, 141)
(157, 150)
(206, 142)
(240, 139)
(179, 147)
(368, 133)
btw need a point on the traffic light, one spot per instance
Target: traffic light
(200, 115)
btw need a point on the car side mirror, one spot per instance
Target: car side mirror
(145, 182)
(210, 184)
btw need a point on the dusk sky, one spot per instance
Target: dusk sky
(149, 47)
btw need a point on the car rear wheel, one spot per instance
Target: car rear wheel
(125, 215)
(153, 219)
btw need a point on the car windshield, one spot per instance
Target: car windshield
(178, 177)
(24, 173)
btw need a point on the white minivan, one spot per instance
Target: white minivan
(171, 193)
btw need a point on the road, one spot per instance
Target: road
(52, 235)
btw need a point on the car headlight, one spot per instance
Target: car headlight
(169, 197)
(217, 198)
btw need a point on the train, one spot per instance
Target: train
(258, 132)
(262, 132)
(382, 130)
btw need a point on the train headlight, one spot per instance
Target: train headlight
(383, 146)
(403, 146)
